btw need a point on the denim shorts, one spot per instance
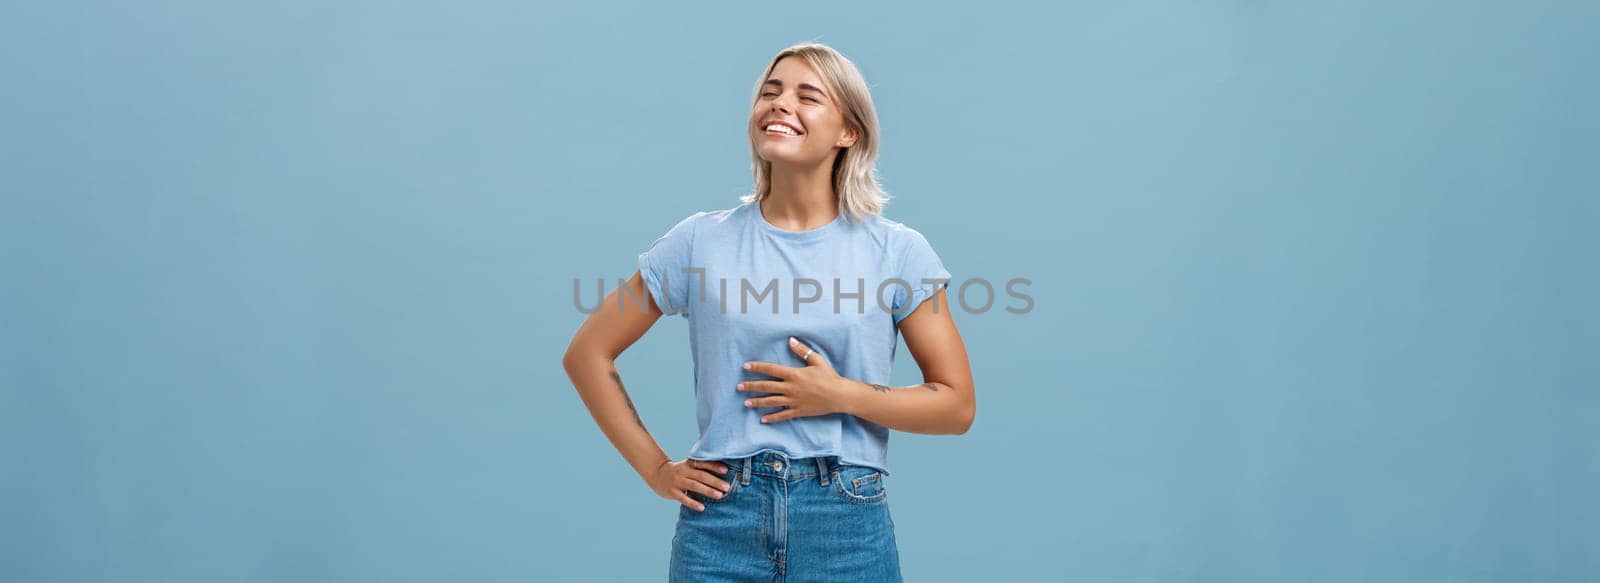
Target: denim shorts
(804, 519)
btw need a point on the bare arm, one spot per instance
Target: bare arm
(625, 315)
(944, 403)
(590, 362)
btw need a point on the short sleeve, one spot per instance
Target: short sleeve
(921, 268)
(663, 266)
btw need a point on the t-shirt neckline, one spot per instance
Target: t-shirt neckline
(755, 209)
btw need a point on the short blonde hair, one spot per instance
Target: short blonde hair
(855, 173)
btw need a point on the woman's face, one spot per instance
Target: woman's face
(809, 124)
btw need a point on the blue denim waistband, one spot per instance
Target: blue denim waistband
(777, 465)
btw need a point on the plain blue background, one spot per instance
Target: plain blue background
(285, 287)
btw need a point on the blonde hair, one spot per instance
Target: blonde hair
(855, 173)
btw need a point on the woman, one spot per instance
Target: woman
(792, 350)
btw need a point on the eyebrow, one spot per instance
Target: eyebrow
(803, 86)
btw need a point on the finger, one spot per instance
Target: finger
(685, 500)
(712, 480)
(721, 468)
(768, 402)
(770, 369)
(692, 482)
(773, 387)
(772, 401)
(807, 353)
(797, 347)
(715, 469)
(783, 415)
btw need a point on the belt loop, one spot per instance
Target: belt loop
(744, 477)
(822, 469)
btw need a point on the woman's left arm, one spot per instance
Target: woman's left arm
(943, 404)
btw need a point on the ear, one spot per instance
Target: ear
(849, 138)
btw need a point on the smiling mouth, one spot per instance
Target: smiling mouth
(780, 131)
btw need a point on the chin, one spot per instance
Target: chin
(777, 155)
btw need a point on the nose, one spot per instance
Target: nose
(781, 103)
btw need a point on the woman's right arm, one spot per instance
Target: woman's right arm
(590, 362)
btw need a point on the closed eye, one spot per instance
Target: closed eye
(802, 97)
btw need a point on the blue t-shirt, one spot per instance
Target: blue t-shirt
(746, 286)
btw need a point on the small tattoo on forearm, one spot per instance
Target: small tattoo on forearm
(879, 388)
(931, 387)
(618, 379)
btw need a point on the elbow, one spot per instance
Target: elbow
(580, 357)
(969, 410)
(571, 359)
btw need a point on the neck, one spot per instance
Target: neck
(801, 199)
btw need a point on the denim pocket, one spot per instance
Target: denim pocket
(859, 484)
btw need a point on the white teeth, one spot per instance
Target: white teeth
(781, 128)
